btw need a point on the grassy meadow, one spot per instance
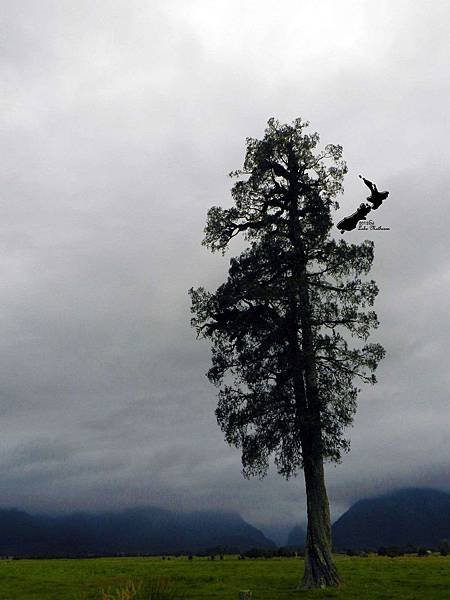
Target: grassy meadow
(374, 577)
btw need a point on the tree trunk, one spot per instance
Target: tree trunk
(320, 570)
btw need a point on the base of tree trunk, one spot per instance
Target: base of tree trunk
(320, 570)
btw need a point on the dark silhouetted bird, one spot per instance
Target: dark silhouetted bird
(376, 198)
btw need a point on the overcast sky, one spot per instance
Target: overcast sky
(120, 121)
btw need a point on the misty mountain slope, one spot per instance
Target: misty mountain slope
(297, 536)
(409, 516)
(135, 531)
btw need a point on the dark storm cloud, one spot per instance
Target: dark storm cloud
(120, 123)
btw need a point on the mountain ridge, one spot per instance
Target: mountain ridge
(142, 530)
(415, 516)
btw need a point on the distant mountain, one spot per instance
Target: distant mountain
(296, 537)
(279, 533)
(135, 531)
(409, 516)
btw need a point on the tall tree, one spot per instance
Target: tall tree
(279, 325)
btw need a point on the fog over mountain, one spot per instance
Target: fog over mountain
(119, 123)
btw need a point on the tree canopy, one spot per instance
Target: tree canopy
(249, 318)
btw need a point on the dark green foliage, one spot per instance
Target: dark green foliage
(282, 205)
(393, 551)
(258, 553)
(286, 552)
(444, 548)
(281, 552)
(362, 553)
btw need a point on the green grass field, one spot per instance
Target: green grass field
(409, 578)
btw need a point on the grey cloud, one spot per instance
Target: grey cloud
(38, 451)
